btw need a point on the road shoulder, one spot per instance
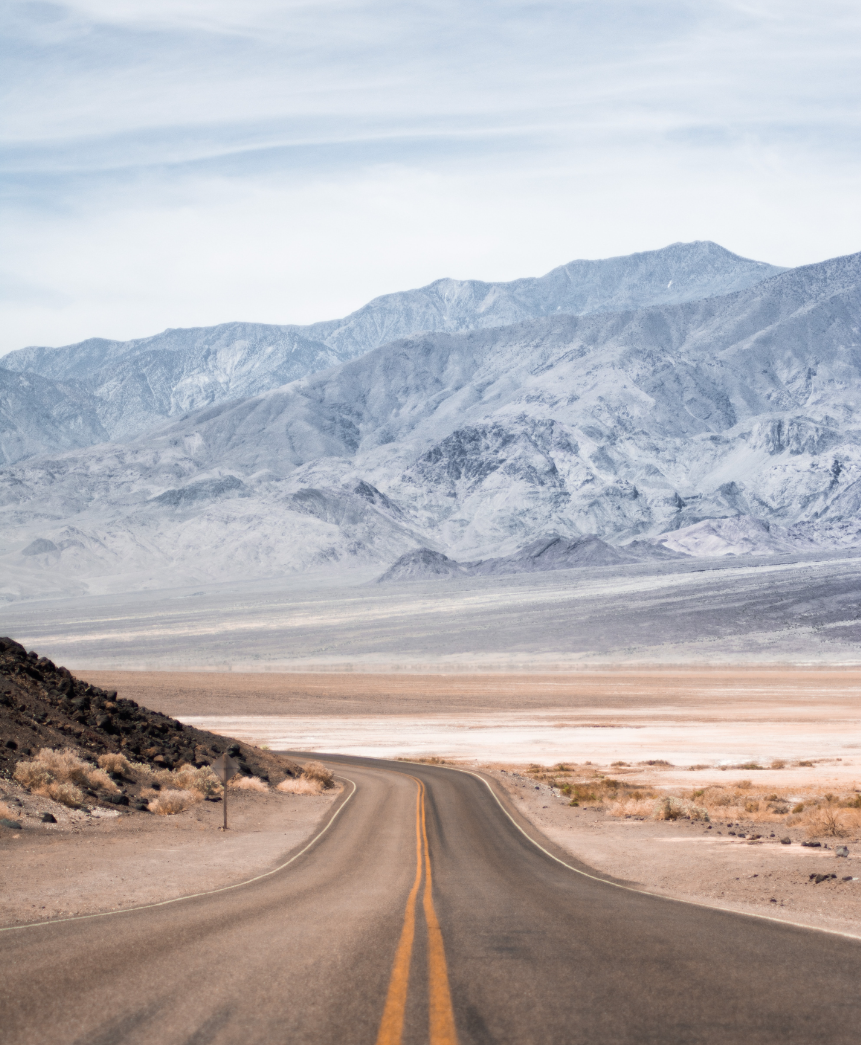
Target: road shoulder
(91, 864)
(686, 861)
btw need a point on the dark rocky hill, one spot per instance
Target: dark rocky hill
(43, 705)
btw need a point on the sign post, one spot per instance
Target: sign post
(225, 768)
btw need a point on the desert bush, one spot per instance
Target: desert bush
(299, 786)
(190, 778)
(98, 778)
(248, 783)
(828, 821)
(579, 793)
(670, 808)
(114, 762)
(65, 765)
(60, 774)
(744, 785)
(5, 811)
(751, 806)
(169, 803)
(318, 772)
(63, 792)
(778, 763)
(31, 775)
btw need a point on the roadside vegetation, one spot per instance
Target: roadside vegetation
(65, 777)
(818, 813)
(315, 779)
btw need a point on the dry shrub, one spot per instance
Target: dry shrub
(32, 775)
(168, 803)
(6, 812)
(831, 822)
(248, 783)
(299, 786)
(69, 768)
(64, 765)
(114, 762)
(189, 778)
(98, 778)
(64, 793)
(58, 774)
(317, 772)
(670, 808)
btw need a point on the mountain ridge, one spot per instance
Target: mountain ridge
(138, 385)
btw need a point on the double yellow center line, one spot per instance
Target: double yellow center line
(441, 1014)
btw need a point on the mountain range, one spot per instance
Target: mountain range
(106, 390)
(679, 402)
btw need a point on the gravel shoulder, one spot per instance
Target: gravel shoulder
(686, 860)
(108, 860)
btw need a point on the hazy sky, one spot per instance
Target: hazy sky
(186, 162)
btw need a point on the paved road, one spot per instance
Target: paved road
(423, 915)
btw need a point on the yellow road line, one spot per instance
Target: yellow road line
(442, 1029)
(392, 1023)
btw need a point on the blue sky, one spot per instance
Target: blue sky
(185, 162)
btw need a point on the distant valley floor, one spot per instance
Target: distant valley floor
(798, 609)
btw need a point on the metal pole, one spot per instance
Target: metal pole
(225, 806)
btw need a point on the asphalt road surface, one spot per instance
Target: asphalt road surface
(422, 914)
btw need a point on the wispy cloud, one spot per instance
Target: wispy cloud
(291, 159)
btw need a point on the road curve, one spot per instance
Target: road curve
(423, 915)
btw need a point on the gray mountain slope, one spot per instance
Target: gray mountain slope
(619, 425)
(139, 384)
(39, 415)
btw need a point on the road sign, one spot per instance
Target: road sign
(225, 768)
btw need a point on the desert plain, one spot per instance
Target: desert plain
(749, 756)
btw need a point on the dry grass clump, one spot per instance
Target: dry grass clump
(315, 779)
(168, 803)
(248, 783)
(299, 786)
(189, 778)
(670, 808)
(114, 762)
(59, 775)
(317, 772)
